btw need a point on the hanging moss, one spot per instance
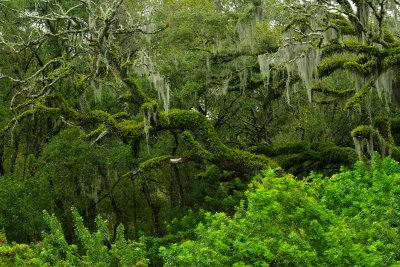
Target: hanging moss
(384, 126)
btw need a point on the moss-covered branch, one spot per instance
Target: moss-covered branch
(381, 139)
(338, 93)
(39, 109)
(155, 163)
(353, 47)
(212, 148)
(354, 102)
(302, 157)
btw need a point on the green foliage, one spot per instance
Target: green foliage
(368, 201)
(21, 203)
(92, 250)
(347, 219)
(233, 70)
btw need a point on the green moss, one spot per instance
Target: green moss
(24, 104)
(63, 70)
(101, 128)
(127, 129)
(388, 37)
(19, 118)
(198, 149)
(81, 82)
(363, 132)
(395, 124)
(154, 163)
(94, 42)
(251, 161)
(395, 152)
(339, 93)
(128, 98)
(327, 68)
(302, 22)
(136, 90)
(209, 148)
(354, 102)
(383, 124)
(332, 154)
(392, 58)
(93, 134)
(358, 47)
(363, 69)
(125, 65)
(352, 46)
(113, 54)
(104, 117)
(216, 151)
(325, 101)
(38, 110)
(343, 25)
(130, 129)
(150, 106)
(67, 111)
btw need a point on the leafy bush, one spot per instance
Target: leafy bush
(351, 218)
(93, 250)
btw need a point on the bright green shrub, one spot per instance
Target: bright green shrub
(351, 218)
(92, 250)
(368, 201)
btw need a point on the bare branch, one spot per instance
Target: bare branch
(102, 134)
